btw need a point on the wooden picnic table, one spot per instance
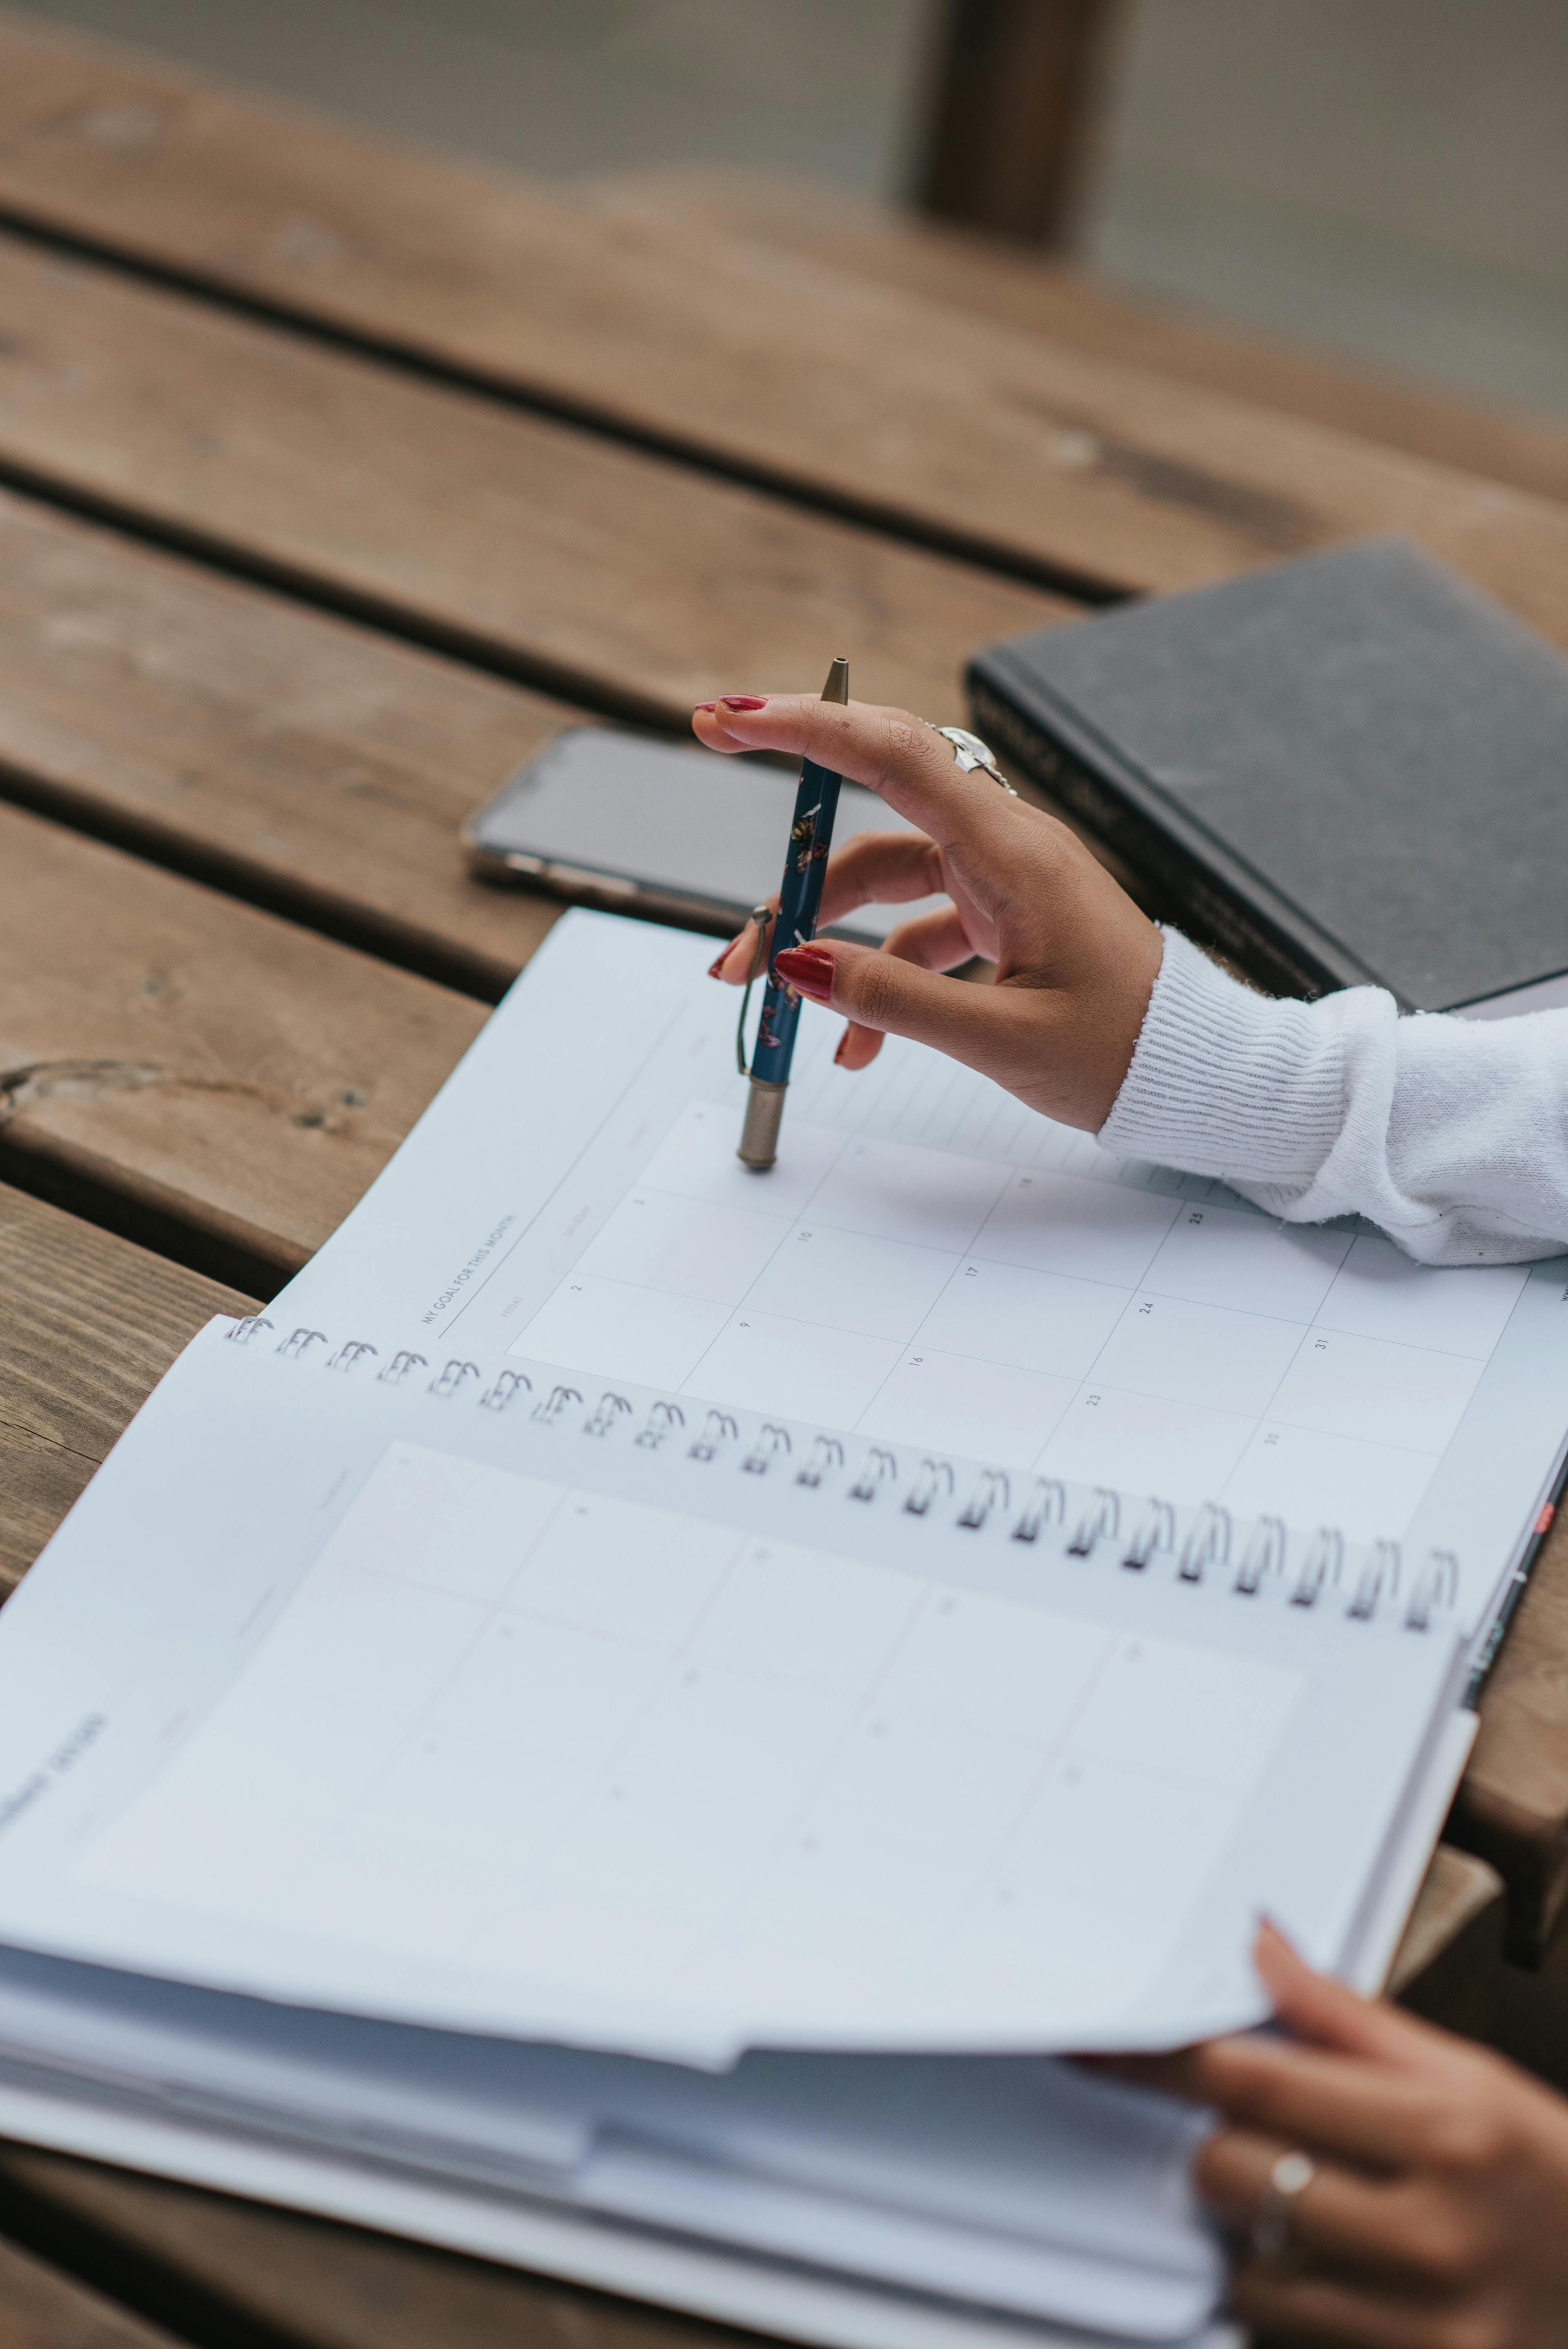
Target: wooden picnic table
(333, 481)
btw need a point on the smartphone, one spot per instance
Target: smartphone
(619, 819)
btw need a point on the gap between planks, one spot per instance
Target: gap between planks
(964, 270)
(205, 1076)
(520, 545)
(832, 383)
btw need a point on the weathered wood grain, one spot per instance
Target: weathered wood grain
(276, 751)
(995, 439)
(230, 1078)
(1513, 1807)
(321, 2286)
(1449, 1964)
(558, 555)
(40, 2307)
(978, 273)
(88, 1324)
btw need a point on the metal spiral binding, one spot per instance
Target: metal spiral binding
(1262, 1559)
(1377, 1580)
(992, 1491)
(662, 1419)
(932, 1477)
(1156, 1530)
(1436, 1587)
(296, 1347)
(825, 1455)
(877, 1468)
(250, 1326)
(1381, 1580)
(548, 1411)
(1208, 1542)
(1323, 1564)
(718, 1428)
(1046, 1506)
(1101, 1521)
(769, 1442)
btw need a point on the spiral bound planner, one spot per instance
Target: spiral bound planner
(912, 1608)
(374, 1704)
(1056, 1516)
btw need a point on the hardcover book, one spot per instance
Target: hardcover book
(1347, 770)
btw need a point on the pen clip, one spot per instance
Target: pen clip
(762, 916)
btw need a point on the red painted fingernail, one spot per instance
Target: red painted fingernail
(809, 970)
(709, 706)
(745, 702)
(717, 965)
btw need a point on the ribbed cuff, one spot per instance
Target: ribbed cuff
(1224, 1081)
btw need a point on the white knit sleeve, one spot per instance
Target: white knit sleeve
(1451, 1134)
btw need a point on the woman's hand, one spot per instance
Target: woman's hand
(1436, 2212)
(1075, 957)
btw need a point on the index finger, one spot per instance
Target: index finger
(905, 762)
(1343, 2105)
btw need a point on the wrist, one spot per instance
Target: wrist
(1226, 1082)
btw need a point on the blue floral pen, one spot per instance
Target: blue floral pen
(799, 898)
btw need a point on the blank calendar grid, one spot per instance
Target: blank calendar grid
(616, 1739)
(1080, 1319)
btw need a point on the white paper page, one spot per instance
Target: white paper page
(1393, 1893)
(1022, 2184)
(385, 1699)
(932, 1265)
(777, 2297)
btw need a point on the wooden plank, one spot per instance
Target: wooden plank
(974, 272)
(1449, 1964)
(553, 553)
(169, 1055)
(88, 1324)
(42, 2309)
(1513, 1807)
(1012, 107)
(996, 440)
(296, 758)
(313, 765)
(255, 2272)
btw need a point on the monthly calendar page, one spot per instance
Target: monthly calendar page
(933, 1265)
(378, 1696)
(1106, 1330)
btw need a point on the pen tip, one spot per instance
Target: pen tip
(838, 686)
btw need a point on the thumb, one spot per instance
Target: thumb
(971, 1023)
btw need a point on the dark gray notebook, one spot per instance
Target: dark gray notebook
(1351, 767)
